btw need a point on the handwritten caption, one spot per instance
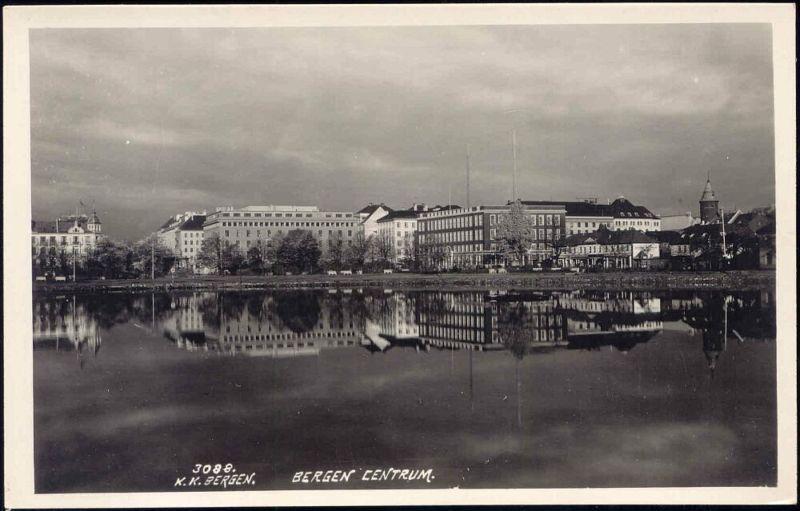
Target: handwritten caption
(216, 475)
(371, 475)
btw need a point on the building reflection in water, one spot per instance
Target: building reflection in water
(63, 324)
(298, 323)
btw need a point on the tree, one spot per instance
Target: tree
(410, 257)
(255, 257)
(298, 251)
(210, 253)
(515, 233)
(113, 260)
(152, 254)
(432, 257)
(232, 257)
(380, 249)
(356, 253)
(271, 252)
(334, 256)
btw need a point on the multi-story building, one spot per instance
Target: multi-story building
(467, 237)
(74, 236)
(370, 215)
(587, 215)
(183, 235)
(249, 225)
(398, 229)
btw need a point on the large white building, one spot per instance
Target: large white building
(73, 236)
(398, 229)
(249, 225)
(183, 235)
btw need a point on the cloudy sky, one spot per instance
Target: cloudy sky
(145, 123)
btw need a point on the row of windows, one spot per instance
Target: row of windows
(286, 224)
(286, 215)
(452, 237)
(458, 222)
(536, 234)
(631, 223)
(600, 249)
(457, 334)
(248, 233)
(63, 239)
(284, 337)
(536, 220)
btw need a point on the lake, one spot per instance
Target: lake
(475, 389)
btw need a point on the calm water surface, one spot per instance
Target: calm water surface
(488, 389)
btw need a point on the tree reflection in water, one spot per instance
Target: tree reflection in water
(519, 322)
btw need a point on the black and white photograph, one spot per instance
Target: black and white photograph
(282, 254)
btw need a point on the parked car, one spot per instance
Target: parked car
(502, 270)
(388, 270)
(346, 272)
(492, 270)
(288, 273)
(331, 272)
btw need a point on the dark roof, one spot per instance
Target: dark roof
(607, 237)
(61, 225)
(399, 214)
(368, 210)
(620, 208)
(195, 223)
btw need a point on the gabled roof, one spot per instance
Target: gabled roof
(371, 208)
(61, 225)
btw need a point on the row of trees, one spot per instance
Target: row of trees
(109, 259)
(297, 251)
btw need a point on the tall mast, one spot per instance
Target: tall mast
(468, 203)
(514, 152)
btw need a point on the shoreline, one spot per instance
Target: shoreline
(639, 281)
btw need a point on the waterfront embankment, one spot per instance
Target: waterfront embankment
(733, 280)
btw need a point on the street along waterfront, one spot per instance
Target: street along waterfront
(485, 388)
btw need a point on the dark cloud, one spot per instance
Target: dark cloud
(149, 122)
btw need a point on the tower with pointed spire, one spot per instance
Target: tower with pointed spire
(709, 205)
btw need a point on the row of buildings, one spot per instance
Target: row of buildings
(580, 233)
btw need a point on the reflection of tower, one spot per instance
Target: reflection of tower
(709, 205)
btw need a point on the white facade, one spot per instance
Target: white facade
(76, 237)
(585, 224)
(245, 227)
(400, 233)
(369, 222)
(639, 224)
